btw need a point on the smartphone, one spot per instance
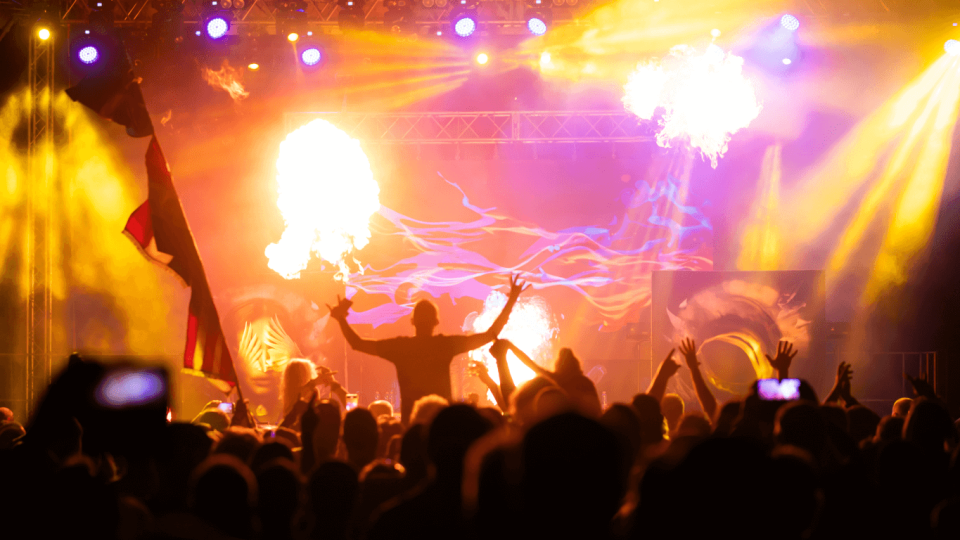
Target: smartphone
(777, 390)
(352, 401)
(226, 407)
(131, 387)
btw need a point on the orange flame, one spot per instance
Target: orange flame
(227, 79)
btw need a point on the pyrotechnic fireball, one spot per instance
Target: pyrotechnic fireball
(705, 98)
(531, 327)
(327, 195)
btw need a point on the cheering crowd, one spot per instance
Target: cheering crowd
(548, 462)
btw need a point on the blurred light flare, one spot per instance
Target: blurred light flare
(217, 27)
(43, 34)
(536, 26)
(311, 56)
(327, 195)
(790, 22)
(292, 37)
(531, 327)
(705, 98)
(482, 58)
(952, 47)
(253, 66)
(465, 26)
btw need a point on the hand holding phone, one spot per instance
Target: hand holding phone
(778, 390)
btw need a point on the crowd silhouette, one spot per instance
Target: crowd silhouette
(548, 463)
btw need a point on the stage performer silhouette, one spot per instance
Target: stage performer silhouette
(423, 361)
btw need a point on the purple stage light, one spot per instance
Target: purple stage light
(465, 26)
(536, 26)
(311, 56)
(790, 22)
(217, 27)
(88, 55)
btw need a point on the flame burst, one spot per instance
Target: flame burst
(705, 98)
(327, 195)
(227, 79)
(531, 327)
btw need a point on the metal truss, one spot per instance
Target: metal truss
(263, 13)
(484, 127)
(40, 178)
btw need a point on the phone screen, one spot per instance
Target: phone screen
(777, 390)
(352, 401)
(131, 387)
(226, 407)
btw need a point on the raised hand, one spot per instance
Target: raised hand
(844, 373)
(921, 387)
(478, 370)
(669, 367)
(688, 348)
(517, 286)
(499, 348)
(785, 354)
(340, 311)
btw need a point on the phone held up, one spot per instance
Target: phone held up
(778, 390)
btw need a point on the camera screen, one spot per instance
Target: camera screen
(130, 388)
(776, 390)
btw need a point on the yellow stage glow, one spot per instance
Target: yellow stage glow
(253, 66)
(292, 37)
(482, 58)
(760, 242)
(531, 327)
(327, 195)
(43, 34)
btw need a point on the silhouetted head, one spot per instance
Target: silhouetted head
(333, 490)
(239, 442)
(693, 425)
(523, 402)
(6, 415)
(672, 408)
(567, 363)
(279, 485)
(552, 401)
(901, 407)
(651, 420)
(928, 425)
(223, 492)
(360, 436)
(889, 429)
(269, 452)
(801, 424)
(450, 435)
(425, 317)
(413, 455)
(861, 423)
(426, 409)
(327, 434)
(380, 408)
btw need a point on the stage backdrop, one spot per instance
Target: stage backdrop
(736, 318)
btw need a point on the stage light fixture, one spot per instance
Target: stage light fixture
(790, 22)
(952, 47)
(351, 16)
(43, 34)
(311, 56)
(399, 17)
(253, 66)
(88, 54)
(787, 61)
(536, 25)
(538, 16)
(292, 37)
(101, 15)
(465, 19)
(482, 59)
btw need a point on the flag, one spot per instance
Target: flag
(159, 228)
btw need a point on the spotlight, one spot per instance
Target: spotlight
(88, 54)
(217, 26)
(787, 61)
(465, 19)
(482, 59)
(539, 17)
(952, 47)
(715, 32)
(253, 66)
(311, 56)
(536, 25)
(292, 37)
(790, 22)
(43, 34)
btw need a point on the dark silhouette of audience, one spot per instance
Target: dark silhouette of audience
(545, 466)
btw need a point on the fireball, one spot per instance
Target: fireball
(531, 327)
(705, 98)
(327, 195)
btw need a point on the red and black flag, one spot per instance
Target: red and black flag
(159, 228)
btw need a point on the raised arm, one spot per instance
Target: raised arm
(688, 348)
(668, 368)
(781, 363)
(479, 370)
(527, 361)
(843, 377)
(339, 314)
(499, 352)
(475, 341)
